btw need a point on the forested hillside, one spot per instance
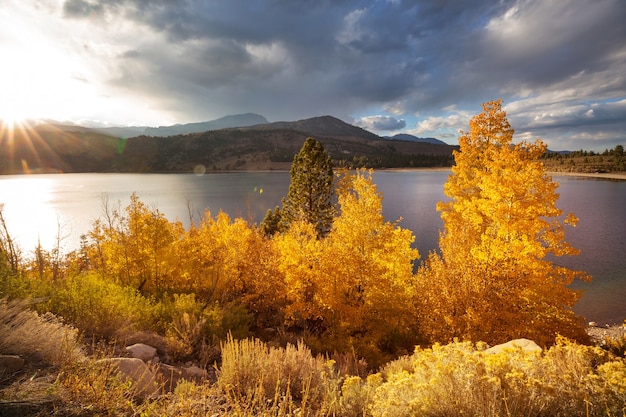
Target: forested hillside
(270, 146)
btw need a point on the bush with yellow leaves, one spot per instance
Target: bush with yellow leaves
(463, 379)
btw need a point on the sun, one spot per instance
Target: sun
(44, 73)
(12, 120)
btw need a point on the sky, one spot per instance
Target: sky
(421, 67)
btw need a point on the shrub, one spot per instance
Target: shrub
(99, 307)
(96, 386)
(461, 378)
(251, 370)
(191, 325)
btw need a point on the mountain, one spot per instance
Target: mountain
(320, 126)
(49, 148)
(411, 138)
(239, 120)
(247, 119)
(264, 146)
(558, 152)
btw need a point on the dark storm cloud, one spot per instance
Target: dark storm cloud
(385, 123)
(354, 51)
(290, 59)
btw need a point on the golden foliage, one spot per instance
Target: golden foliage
(354, 288)
(464, 379)
(367, 271)
(133, 246)
(494, 280)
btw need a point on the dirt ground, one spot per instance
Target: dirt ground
(600, 334)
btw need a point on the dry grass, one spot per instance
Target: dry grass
(252, 369)
(37, 337)
(258, 380)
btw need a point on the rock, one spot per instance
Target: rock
(10, 364)
(524, 344)
(143, 379)
(194, 373)
(141, 351)
(169, 375)
(150, 339)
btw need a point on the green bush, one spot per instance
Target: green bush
(191, 326)
(99, 307)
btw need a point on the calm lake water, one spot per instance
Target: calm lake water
(37, 207)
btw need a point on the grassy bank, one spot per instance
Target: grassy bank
(253, 378)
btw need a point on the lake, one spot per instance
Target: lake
(42, 207)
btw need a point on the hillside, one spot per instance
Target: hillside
(49, 149)
(270, 146)
(411, 138)
(610, 161)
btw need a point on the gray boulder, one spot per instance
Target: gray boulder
(135, 370)
(169, 376)
(141, 351)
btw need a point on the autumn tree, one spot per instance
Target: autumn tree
(354, 289)
(310, 192)
(133, 245)
(299, 252)
(366, 284)
(495, 277)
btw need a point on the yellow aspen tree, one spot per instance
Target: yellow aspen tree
(299, 251)
(134, 246)
(495, 278)
(211, 257)
(367, 282)
(261, 285)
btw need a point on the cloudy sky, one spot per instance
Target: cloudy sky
(421, 67)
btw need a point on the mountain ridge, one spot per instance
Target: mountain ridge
(266, 146)
(412, 138)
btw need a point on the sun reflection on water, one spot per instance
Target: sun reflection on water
(29, 213)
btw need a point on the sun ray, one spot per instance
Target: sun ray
(26, 150)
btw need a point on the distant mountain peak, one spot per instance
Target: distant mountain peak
(237, 120)
(320, 126)
(411, 138)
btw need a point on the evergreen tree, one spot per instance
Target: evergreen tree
(310, 195)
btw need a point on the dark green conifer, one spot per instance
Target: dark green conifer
(310, 195)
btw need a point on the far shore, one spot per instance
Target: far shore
(438, 169)
(601, 175)
(620, 176)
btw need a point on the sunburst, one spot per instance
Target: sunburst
(16, 134)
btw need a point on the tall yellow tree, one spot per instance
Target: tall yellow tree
(366, 283)
(496, 277)
(210, 258)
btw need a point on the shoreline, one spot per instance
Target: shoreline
(620, 176)
(615, 176)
